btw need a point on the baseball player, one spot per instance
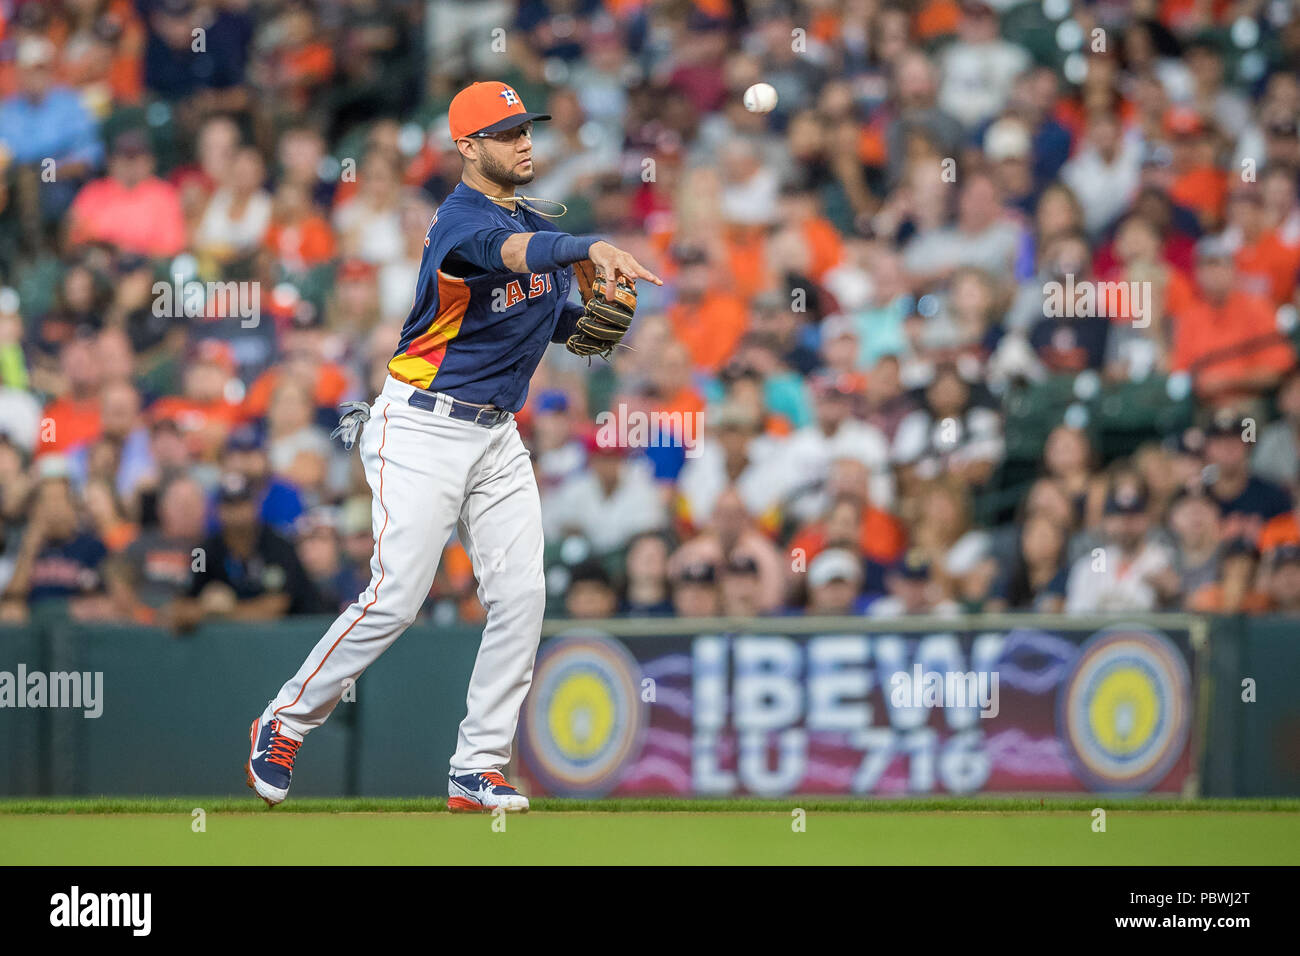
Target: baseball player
(442, 451)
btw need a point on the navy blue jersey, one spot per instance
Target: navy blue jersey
(477, 330)
(65, 569)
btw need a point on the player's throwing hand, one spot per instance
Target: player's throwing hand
(611, 261)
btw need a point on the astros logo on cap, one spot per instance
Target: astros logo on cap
(485, 108)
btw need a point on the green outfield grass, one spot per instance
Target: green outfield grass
(403, 831)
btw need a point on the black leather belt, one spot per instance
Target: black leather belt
(461, 411)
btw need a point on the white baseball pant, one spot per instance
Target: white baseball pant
(430, 473)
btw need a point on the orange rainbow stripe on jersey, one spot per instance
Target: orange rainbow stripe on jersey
(418, 363)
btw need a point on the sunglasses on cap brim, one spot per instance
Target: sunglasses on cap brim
(505, 135)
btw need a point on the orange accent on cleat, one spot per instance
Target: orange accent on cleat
(248, 767)
(465, 805)
(283, 749)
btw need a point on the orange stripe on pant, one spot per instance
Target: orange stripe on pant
(379, 555)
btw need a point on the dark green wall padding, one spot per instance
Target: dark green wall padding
(177, 710)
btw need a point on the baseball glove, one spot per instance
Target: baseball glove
(604, 322)
(585, 274)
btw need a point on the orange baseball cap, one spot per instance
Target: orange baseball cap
(487, 107)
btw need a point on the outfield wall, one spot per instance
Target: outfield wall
(1138, 704)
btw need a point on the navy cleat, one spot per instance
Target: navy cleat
(270, 760)
(483, 792)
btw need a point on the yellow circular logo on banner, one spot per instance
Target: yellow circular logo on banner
(1125, 709)
(583, 720)
(581, 715)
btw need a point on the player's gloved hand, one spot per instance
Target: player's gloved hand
(605, 321)
(350, 423)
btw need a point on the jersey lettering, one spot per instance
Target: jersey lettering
(538, 284)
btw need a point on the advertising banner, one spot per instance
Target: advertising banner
(957, 712)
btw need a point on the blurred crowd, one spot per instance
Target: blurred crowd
(859, 399)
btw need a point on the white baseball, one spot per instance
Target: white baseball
(760, 98)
